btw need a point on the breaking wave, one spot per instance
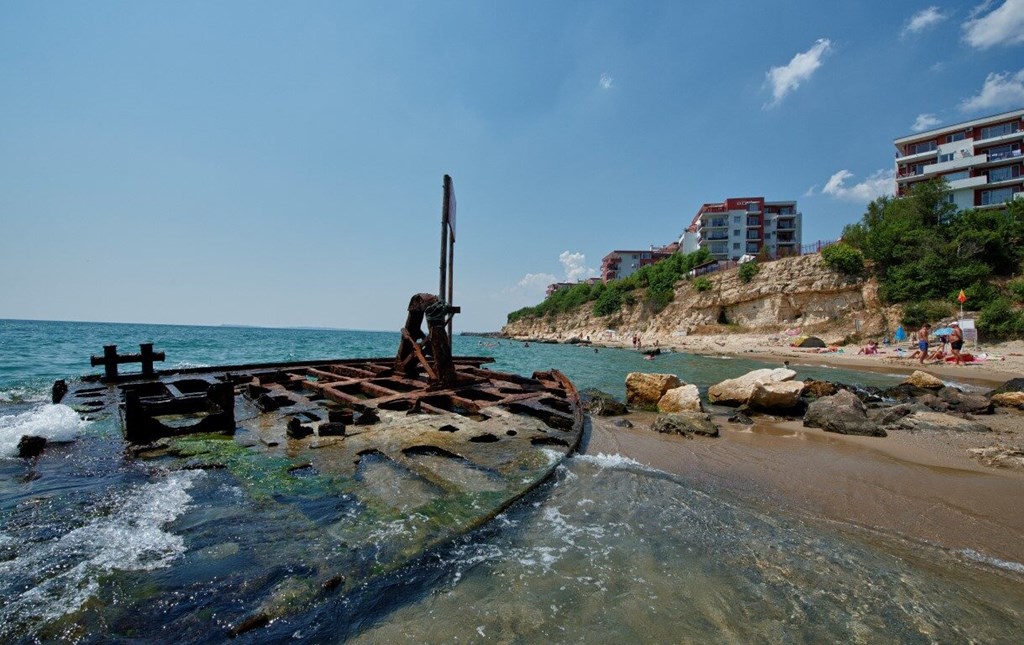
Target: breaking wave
(55, 422)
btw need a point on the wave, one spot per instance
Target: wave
(55, 422)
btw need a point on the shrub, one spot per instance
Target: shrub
(748, 271)
(702, 284)
(916, 314)
(608, 302)
(999, 319)
(1016, 288)
(843, 258)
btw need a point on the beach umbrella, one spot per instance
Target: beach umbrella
(962, 298)
(900, 335)
(942, 331)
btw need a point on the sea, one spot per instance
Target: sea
(97, 547)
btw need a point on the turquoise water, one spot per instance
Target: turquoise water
(98, 547)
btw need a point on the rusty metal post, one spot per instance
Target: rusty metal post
(444, 239)
(110, 362)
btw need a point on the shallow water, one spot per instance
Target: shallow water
(97, 547)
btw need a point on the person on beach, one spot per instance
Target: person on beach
(922, 341)
(870, 348)
(956, 343)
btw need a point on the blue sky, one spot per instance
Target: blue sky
(280, 163)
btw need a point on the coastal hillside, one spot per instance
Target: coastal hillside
(798, 292)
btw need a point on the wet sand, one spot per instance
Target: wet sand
(923, 486)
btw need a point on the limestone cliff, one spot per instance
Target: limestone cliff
(799, 292)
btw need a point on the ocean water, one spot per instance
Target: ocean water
(99, 547)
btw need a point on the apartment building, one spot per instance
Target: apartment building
(979, 159)
(620, 264)
(742, 226)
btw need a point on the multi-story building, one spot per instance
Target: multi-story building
(979, 159)
(620, 264)
(744, 226)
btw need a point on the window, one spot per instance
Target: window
(918, 148)
(719, 248)
(736, 219)
(735, 246)
(999, 130)
(753, 208)
(1003, 152)
(1000, 174)
(736, 232)
(753, 248)
(753, 235)
(953, 176)
(946, 157)
(996, 196)
(949, 198)
(753, 221)
(958, 136)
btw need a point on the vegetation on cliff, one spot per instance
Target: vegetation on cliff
(923, 252)
(654, 285)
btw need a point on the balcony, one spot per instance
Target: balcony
(717, 236)
(786, 225)
(1000, 157)
(753, 235)
(967, 182)
(917, 156)
(717, 222)
(954, 164)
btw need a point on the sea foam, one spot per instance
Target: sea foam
(47, 580)
(54, 422)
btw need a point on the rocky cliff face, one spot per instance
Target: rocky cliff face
(789, 293)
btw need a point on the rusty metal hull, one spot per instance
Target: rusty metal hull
(435, 460)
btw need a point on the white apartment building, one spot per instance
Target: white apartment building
(979, 159)
(744, 226)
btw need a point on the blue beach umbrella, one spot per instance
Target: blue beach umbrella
(942, 331)
(900, 335)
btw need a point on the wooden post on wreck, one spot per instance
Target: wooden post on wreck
(446, 289)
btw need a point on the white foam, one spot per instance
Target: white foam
(23, 395)
(54, 422)
(615, 461)
(1008, 565)
(66, 571)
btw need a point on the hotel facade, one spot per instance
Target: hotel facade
(979, 159)
(744, 226)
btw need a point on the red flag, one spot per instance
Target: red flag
(962, 298)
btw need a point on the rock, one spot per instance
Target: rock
(739, 417)
(296, 430)
(685, 398)
(31, 446)
(601, 403)
(774, 397)
(964, 402)
(842, 413)
(1009, 399)
(644, 389)
(937, 422)
(623, 423)
(737, 391)
(1013, 385)
(905, 392)
(331, 429)
(887, 416)
(924, 380)
(817, 389)
(999, 456)
(368, 418)
(344, 415)
(686, 424)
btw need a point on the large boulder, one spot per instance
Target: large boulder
(1013, 385)
(965, 402)
(601, 403)
(738, 391)
(1009, 399)
(779, 397)
(685, 398)
(924, 380)
(686, 424)
(645, 390)
(937, 422)
(842, 413)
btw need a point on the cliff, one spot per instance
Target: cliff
(799, 292)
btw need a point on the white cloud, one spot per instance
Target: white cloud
(575, 266)
(937, 68)
(787, 78)
(923, 20)
(1000, 90)
(878, 184)
(925, 122)
(810, 191)
(606, 82)
(1002, 26)
(536, 281)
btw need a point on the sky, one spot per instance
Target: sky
(281, 163)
